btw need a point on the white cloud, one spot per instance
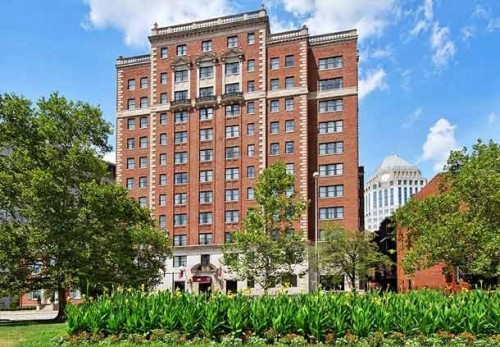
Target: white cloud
(492, 117)
(136, 17)
(110, 157)
(406, 80)
(442, 45)
(440, 141)
(374, 80)
(468, 32)
(424, 17)
(411, 119)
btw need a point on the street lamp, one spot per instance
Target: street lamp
(316, 230)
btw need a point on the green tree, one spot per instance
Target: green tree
(59, 214)
(460, 226)
(269, 246)
(351, 253)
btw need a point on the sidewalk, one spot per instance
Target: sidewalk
(12, 316)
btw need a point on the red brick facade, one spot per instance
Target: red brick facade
(276, 79)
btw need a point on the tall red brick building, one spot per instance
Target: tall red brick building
(215, 102)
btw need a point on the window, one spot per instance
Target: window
(331, 191)
(250, 193)
(143, 202)
(131, 104)
(331, 127)
(131, 123)
(275, 105)
(205, 218)
(289, 147)
(251, 65)
(330, 106)
(251, 38)
(163, 159)
(144, 82)
(331, 148)
(143, 141)
(205, 239)
(250, 171)
(232, 216)
(206, 92)
(163, 78)
(180, 178)
(162, 199)
(330, 63)
(130, 163)
(232, 41)
(131, 143)
(206, 134)
(232, 110)
(232, 88)
(331, 170)
(232, 174)
(274, 127)
(331, 213)
(232, 152)
(289, 82)
(251, 129)
(290, 169)
(180, 219)
(181, 76)
(180, 260)
(251, 150)
(163, 52)
(206, 176)
(275, 63)
(181, 95)
(206, 155)
(274, 149)
(206, 197)
(232, 131)
(289, 104)
(180, 240)
(143, 182)
(290, 279)
(163, 98)
(289, 60)
(206, 113)
(163, 118)
(181, 50)
(227, 237)
(35, 294)
(250, 107)
(162, 181)
(143, 162)
(130, 183)
(206, 46)
(289, 125)
(206, 72)
(143, 122)
(180, 158)
(330, 84)
(144, 102)
(163, 139)
(232, 195)
(131, 84)
(232, 68)
(180, 199)
(180, 117)
(251, 86)
(275, 84)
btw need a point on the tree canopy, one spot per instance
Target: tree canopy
(460, 226)
(61, 214)
(269, 246)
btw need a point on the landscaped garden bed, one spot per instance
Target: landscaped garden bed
(373, 319)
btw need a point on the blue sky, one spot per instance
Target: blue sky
(429, 69)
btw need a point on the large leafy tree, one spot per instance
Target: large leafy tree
(60, 214)
(459, 226)
(269, 246)
(352, 253)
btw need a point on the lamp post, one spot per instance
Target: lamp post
(316, 231)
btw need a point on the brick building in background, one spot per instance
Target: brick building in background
(213, 104)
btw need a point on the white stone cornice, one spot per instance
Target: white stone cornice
(333, 93)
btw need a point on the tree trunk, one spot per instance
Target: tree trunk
(61, 314)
